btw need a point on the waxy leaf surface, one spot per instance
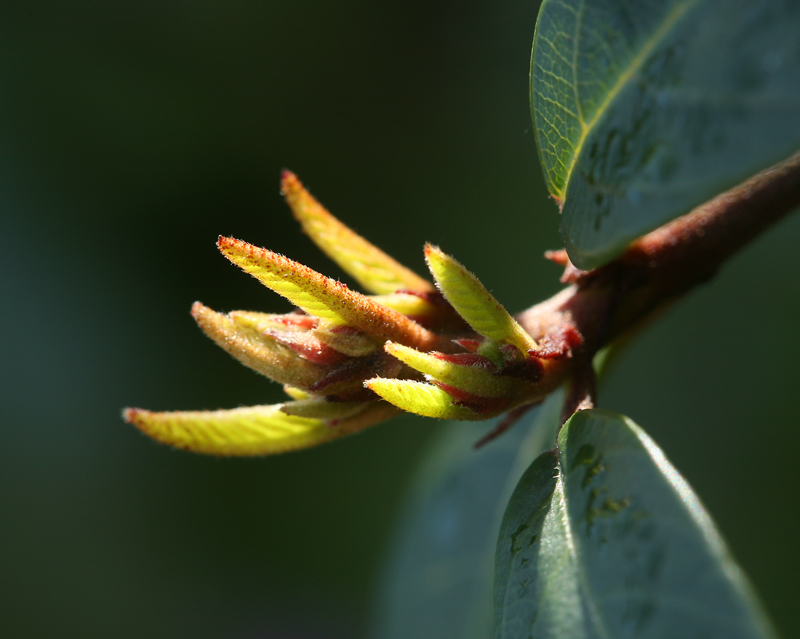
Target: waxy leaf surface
(606, 539)
(645, 109)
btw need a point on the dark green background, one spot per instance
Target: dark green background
(131, 136)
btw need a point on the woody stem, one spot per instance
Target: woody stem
(604, 304)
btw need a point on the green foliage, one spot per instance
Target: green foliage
(644, 110)
(606, 539)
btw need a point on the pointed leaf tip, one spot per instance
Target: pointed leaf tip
(373, 269)
(255, 349)
(259, 430)
(323, 297)
(472, 374)
(241, 432)
(474, 302)
(420, 398)
(287, 179)
(301, 285)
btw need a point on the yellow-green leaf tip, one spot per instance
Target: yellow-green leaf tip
(255, 349)
(373, 269)
(474, 302)
(419, 398)
(324, 297)
(468, 372)
(257, 430)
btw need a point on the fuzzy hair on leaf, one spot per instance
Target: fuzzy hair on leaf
(373, 269)
(323, 297)
(257, 430)
(474, 302)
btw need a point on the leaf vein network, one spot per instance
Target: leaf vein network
(629, 72)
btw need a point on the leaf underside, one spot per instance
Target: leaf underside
(606, 539)
(644, 110)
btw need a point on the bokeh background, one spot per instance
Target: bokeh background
(131, 135)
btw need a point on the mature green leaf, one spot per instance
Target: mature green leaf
(438, 582)
(646, 109)
(608, 540)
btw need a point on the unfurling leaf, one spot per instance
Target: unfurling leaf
(367, 264)
(258, 430)
(263, 322)
(323, 297)
(469, 372)
(345, 339)
(329, 353)
(257, 351)
(474, 303)
(420, 398)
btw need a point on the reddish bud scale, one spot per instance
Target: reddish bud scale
(558, 345)
(300, 320)
(307, 346)
(559, 257)
(344, 329)
(348, 377)
(465, 359)
(469, 344)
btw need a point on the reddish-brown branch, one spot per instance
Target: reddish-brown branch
(604, 304)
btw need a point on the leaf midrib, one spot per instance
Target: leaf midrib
(633, 67)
